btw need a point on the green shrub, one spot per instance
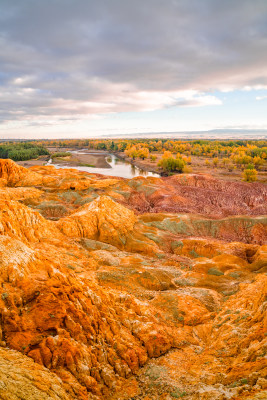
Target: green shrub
(235, 274)
(172, 164)
(86, 165)
(215, 271)
(52, 210)
(61, 154)
(4, 296)
(22, 151)
(70, 267)
(154, 372)
(178, 394)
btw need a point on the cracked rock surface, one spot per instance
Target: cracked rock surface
(139, 289)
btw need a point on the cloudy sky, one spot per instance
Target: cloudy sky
(77, 68)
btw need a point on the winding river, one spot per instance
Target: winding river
(118, 167)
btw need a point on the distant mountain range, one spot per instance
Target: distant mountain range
(212, 134)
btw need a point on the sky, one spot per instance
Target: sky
(87, 68)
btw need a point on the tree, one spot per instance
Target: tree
(225, 161)
(250, 173)
(143, 153)
(171, 164)
(22, 151)
(132, 152)
(215, 161)
(167, 154)
(257, 161)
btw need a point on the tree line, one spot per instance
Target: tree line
(22, 151)
(169, 155)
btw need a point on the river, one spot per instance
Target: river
(118, 167)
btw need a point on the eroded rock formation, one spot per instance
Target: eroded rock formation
(131, 289)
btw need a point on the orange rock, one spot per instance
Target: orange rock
(111, 306)
(21, 378)
(103, 219)
(17, 220)
(16, 175)
(20, 193)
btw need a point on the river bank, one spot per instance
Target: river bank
(145, 165)
(42, 160)
(97, 158)
(81, 157)
(94, 161)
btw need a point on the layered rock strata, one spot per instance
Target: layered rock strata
(131, 289)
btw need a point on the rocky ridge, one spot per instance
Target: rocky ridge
(131, 289)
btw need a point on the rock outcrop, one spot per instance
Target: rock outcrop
(22, 379)
(106, 292)
(102, 219)
(199, 194)
(19, 221)
(12, 174)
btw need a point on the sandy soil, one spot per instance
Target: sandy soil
(42, 160)
(86, 160)
(95, 159)
(91, 158)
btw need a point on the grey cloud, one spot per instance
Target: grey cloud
(104, 51)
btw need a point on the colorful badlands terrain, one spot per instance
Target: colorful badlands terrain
(131, 289)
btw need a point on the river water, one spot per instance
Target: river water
(118, 167)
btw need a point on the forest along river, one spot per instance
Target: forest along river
(118, 167)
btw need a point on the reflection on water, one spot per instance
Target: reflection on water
(118, 167)
(133, 170)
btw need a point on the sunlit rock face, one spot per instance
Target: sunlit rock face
(102, 219)
(131, 289)
(22, 378)
(12, 174)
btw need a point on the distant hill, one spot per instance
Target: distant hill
(211, 134)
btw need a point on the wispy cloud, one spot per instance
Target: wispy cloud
(78, 59)
(261, 97)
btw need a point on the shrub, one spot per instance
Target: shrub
(215, 161)
(250, 174)
(61, 154)
(178, 394)
(215, 271)
(187, 169)
(52, 210)
(171, 164)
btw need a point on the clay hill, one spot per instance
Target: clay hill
(142, 289)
